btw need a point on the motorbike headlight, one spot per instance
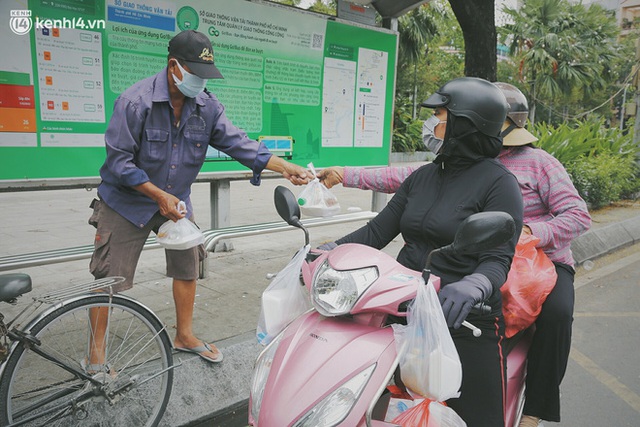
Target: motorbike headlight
(260, 375)
(334, 408)
(336, 292)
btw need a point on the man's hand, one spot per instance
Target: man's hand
(331, 176)
(297, 175)
(167, 203)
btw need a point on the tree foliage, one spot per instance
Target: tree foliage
(417, 28)
(564, 52)
(327, 7)
(430, 53)
(289, 2)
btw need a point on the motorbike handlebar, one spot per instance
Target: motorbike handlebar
(481, 308)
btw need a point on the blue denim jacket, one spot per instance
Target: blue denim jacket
(142, 145)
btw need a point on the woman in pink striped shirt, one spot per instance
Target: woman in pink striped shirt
(554, 212)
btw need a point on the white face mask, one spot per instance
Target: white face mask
(433, 143)
(190, 85)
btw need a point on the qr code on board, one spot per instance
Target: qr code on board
(317, 41)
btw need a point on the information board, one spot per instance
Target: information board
(289, 75)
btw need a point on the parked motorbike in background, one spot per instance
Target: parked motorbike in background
(332, 365)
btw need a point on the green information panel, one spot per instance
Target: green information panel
(318, 90)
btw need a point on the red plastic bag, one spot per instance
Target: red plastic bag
(418, 416)
(429, 413)
(531, 278)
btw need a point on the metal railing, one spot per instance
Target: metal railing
(212, 238)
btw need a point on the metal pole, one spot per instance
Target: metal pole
(220, 199)
(624, 100)
(378, 201)
(415, 90)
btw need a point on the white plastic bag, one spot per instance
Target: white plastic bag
(398, 406)
(443, 416)
(179, 235)
(283, 300)
(429, 362)
(316, 199)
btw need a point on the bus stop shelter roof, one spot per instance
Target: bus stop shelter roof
(395, 8)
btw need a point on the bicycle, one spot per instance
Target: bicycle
(44, 370)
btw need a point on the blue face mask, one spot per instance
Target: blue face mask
(433, 143)
(190, 85)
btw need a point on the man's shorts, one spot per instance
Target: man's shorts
(118, 245)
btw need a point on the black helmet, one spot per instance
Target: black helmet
(514, 133)
(518, 105)
(476, 99)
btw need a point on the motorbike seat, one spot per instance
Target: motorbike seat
(13, 285)
(511, 343)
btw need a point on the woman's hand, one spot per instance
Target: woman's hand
(331, 176)
(458, 298)
(328, 246)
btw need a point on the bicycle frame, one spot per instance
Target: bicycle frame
(85, 385)
(16, 338)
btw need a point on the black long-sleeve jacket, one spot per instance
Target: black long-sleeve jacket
(436, 198)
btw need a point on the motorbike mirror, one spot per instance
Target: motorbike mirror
(483, 231)
(288, 209)
(287, 206)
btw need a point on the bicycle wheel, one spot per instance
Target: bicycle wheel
(132, 390)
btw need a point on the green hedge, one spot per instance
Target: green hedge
(604, 178)
(602, 161)
(407, 132)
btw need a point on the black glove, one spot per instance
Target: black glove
(458, 298)
(327, 246)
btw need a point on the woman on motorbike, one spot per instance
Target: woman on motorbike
(554, 212)
(465, 178)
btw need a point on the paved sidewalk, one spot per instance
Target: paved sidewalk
(228, 300)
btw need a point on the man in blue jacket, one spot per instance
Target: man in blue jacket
(156, 143)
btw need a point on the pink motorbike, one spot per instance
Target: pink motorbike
(332, 365)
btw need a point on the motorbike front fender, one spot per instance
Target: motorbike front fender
(316, 356)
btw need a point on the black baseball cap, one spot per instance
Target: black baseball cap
(195, 50)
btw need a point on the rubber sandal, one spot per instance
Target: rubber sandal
(95, 368)
(201, 349)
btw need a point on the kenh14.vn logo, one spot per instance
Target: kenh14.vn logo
(21, 22)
